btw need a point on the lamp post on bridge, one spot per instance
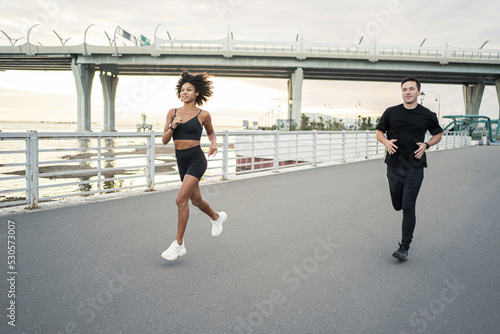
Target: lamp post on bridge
(358, 103)
(422, 97)
(438, 100)
(277, 121)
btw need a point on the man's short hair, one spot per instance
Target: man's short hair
(411, 79)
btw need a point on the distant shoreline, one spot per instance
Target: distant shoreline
(70, 126)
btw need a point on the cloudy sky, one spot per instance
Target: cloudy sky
(52, 95)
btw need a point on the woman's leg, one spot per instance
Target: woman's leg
(203, 205)
(189, 184)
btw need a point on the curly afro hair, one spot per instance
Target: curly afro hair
(201, 83)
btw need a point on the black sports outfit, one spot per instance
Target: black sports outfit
(405, 172)
(190, 161)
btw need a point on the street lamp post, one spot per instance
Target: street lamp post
(358, 103)
(438, 100)
(422, 97)
(277, 121)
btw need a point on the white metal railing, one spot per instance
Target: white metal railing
(302, 49)
(39, 167)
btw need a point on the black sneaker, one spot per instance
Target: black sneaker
(401, 254)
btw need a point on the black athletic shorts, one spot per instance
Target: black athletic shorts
(191, 161)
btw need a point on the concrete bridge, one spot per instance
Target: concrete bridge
(296, 60)
(304, 251)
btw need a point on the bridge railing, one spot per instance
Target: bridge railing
(300, 49)
(42, 167)
(228, 47)
(303, 49)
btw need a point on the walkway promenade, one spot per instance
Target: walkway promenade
(304, 251)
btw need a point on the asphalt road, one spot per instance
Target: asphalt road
(302, 252)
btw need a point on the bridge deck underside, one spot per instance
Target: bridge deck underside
(282, 68)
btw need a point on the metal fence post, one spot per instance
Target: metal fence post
(297, 147)
(330, 148)
(367, 144)
(225, 157)
(150, 172)
(253, 152)
(315, 148)
(355, 144)
(276, 152)
(343, 145)
(32, 171)
(99, 163)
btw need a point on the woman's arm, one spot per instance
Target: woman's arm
(207, 123)
(167, 132)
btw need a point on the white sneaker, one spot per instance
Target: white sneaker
(174, 251)
(217, 225)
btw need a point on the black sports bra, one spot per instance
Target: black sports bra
(190, 130)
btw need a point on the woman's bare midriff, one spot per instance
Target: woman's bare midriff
(184, 144)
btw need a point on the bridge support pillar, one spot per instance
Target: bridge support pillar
(84, 75)
(497, 84)
(295, 95)
(472, 98)
(109, 83)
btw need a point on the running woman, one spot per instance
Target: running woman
(185, 125)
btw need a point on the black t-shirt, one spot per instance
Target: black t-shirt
(408, 126)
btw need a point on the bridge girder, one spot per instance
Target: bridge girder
(262, 67)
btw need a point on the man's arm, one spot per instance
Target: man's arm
(422, 147)
(388, 143)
